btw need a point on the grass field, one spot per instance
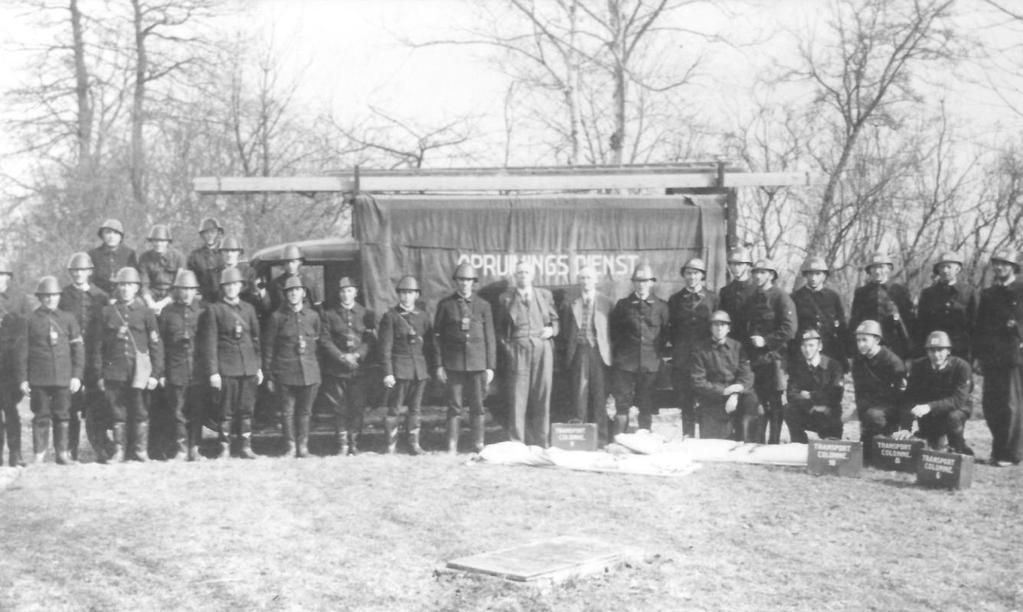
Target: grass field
(371, 532)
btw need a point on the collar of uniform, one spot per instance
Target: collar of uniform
(699, 292)
(649, 299)
(719, 344)
(463, 298)
(347, 308)
(44, 310)
(815, 362)
(402, 310)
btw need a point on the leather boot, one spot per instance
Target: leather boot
(225, 440)
(412, 425)
(141, 431)
(40, 439)
(194, 438)
(621, 425)
(245, 434)
(117, 455)
(354, 431)
(453, 425)
(302, 449)
(60, 443)
(14, 446)
(957, 444)
(391, 428)
(775, 418)
(96, 435)
(3, 434)
(479, 432)
(288, 432)
(74, 431)
(343, 445)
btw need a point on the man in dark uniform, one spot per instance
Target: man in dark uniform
(526, 324)
(814, 391)
(230, 353)
(158, 267)
(51, 359)
(938, 396)
(879, 377)
(254, 291)
(85, 302)
(723, 381)
(819, 307)
(998, 345)
(689, 311)
(128, 344)
(205, 260)
(350, 333)
(739, 290)
(14, 307)
(639, 338)
(292, 262)
(587, 341)
(183, 383)
(406, 337)
(949, 305)
(110, 256)
(465, 348)
(887, 303)
(290, 345)
(770, 318)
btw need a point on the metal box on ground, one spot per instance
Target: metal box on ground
(574, 436)
(836, 457)
(896, 455)
(944, 470)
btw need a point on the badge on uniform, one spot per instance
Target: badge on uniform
(465, 323)
(301, 344)
(154, 338)
(237, 331)
(53, 336)
(123, 331)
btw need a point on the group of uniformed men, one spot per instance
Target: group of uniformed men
(184, 335)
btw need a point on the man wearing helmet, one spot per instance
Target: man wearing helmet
(723, 380)
(406, 338)
(689, 313)
(879, 377)
(51, 358)
(739, 290)
(292, 260)
(14, 308)
(110, 256)
(85, 302)
(465, 350)
(158, 267)
(814, 391)
(183, 383)
(819, 307)
(205, 261)
(938, 396)
(948, 305)
(887, 303)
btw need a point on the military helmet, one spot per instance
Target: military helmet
(816, 264)
(1006, 256)
(48, 285)
(766, 264)
(720, 316)
(159, 232)
(810, 334)
(231, 275)
(643, 272)
(947, 257)
(347, 281)
(127, 275)
(5, 266)
(80, 261)
(938, 339)
(694, 263)
(740, 254)
(292, 251)
(879, 259)
(466, 270)
(230, 244)
(210, 223)
(408, 283)
(111, 224)
(294, 282)
(185, 279)
(869, 328)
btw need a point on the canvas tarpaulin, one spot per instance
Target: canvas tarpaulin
(428, 236)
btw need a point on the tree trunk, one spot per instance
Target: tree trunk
(138, 161)
(84, 165)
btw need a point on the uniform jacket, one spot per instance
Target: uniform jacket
(572, 313)
(206, 264)
(890, 305)
(821, 310)
(86, 307)
(158, 271)
(14, 308)
(943, 390)
(179, 330)
(733, 300)
(403, 339)
(120, 330)
(950, 308)
(274, 298)
(771, 315)
(998, 341)
(290, 346)
(52, 351)
(504, 325)
(347, 331)
(464, 337)
(106, 262)
(689, 314)
(229, 339)
(639, 333)
(823, 381)
(716, 366)
(878, 381)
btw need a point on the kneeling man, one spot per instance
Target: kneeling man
(814, 392)
(723, 381)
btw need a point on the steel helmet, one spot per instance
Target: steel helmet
(408, 283)
(1007, 257)
(879, 259)
(938, 339)
(231, 275)
(5, 266)
(766, 264)
(347, 281)
(947, 257)
(159, 232)
(230, 244)
(210, 223)
(466, 270)
(816, 264)
(113, 225)
(740, 254)
(185, 279)
(694, 264)
(127, 275)
(869, 328)
(294, 282)
(720, 316)
(810, 334)
(643, 272)
(48, 285)
(292, 251)
(80, 261)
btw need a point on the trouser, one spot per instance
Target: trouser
(530, 370)
(1002, 402)
(880, 420)
(951, 425)
(51, 406)
(296, 404)
(237, 404)
(127, 406)
(185, 408)
(347, 398)
(465, 388)
(800, 417)
(10, 396)
(589, 388)
(769, 383)
(89, 405)
(634, 389)
(740, 425)
(161, 422)
(683, 385)
(407, 393)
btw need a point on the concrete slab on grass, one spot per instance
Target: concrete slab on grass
(554, 560)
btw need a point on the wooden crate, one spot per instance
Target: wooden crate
(835, 457)
(896, 455)
(944, 470)
(574, 436)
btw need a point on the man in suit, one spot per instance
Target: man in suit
(587, 342)
(465, 348)
(887, 303)
(689, 312)
(526, 324)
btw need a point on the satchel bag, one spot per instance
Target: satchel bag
(143, 364)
